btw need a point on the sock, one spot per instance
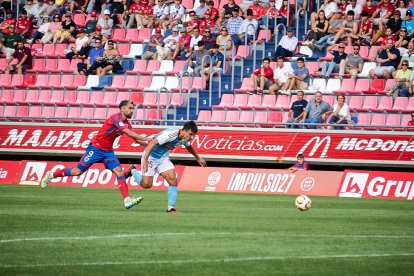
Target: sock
(62, 172)
(172, 196)
(123, 187)
(137, 176)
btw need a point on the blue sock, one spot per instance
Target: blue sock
(172, 196)
(67, 171)
(137, 176)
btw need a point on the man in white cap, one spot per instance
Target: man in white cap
(106, 24)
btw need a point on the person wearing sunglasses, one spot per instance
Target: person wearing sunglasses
(403, 85)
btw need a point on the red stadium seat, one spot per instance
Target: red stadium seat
(9, 113)
(34, 112)
(123, 49)
(131, 83)
(99, 115)
(79, 19)
(53, 82)
(384, 104)
(268, 102)
(243, 52)
(226, 101)
(38, 66)
(231, 118)
(361, 85)
(29, 79)
(16, 82)
(355, 103)
(376, 85)
(61, 113)
(44, 97)
(177, 100)
(261, 119)
(32, 97)
(19, 97)
(253, 103)
(369, 104)
(109, 100)
(7, 97)
(143, 35)
(410, 105)
(96, 98)
(74, 115)
(64, 66)
(240, 101)
(144, 82)
(57, 98)
(122, 96)
(139, 66)
(262, 35)
(60, 51)
(83, 98)
(132, 35)
(405, 119)
(217, 116)
(152, 66)
(153, 115)
(118, 82)
(246, 120)
(178, 67)
(52, 65)
(41, 82)
(47, 113)
(275, 117)
(400, 104)
(247, 86)
(282, 103)
(393, 122)
(150, 99)
(205, 116)
(137, 98)
(119, 36)
(376, 121)
(347, 85)
(69, 99)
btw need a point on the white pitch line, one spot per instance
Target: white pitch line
(225, 260)
(122, 236)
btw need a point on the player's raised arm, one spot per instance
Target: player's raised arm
(199, 159)
(143, 141)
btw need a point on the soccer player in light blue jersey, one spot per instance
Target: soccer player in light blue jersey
(156, 158)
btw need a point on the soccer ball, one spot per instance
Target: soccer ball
(303, 202)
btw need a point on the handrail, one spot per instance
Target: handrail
(297, 21)
(277, 33)
(233, 60)
(245, 38)
(267, 21)
(255, 52)
(211, 75)
(159, 96)
(188, 101)
(288, 14)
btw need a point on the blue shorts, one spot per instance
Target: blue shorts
(94, 155)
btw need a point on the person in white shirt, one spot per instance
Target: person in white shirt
(354, 6)
(287, 45)
(201, 10)
(106, 24)
(341, 114)
(170, 43)
(161, 13)
(176, 15)
(81, 46)
(195, 38)
(43, 28)
(247, 30)
(280, 75)
(330, 7)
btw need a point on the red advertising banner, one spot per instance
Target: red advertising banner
(263, 181)
(8, 171)
(227, 143)
(377, 184)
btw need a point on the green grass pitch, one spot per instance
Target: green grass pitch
(75, 231)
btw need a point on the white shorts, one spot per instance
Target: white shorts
(158, 165)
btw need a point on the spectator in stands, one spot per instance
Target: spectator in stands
(207, 22)
(299, 80)
(388, 60)
(364, 35)
(319, 29)
(411, 123)
(234, 25)
(282, 12)
(129, 16)
(38, 12)
(213, 11)
(23, 55)
(352, 64)
(110, 60)
(145, 16)
(334, 27)
(23, 25)
(229, 7)
(391, 28)
(385, 9)
(195, 38)
(220, 23)
(280, 75)
(268, 17)
(41, 31)
(287, 45)
(349, 26)
(54, 26)
(208, 39)
(408, 56)
(4, 26)
(155, 40)
(408, 23)
(90, 25)
(402, 42)
(217, 60)
(161, 13)
(170, 43)
(28, 7)
(295, 113)
(9, 43)
(342, 6)
(225, 42)
(106, 23)
(329, 7)
(176, 14)
(402, 82)
(67, 29)
(356, 7)
(262, 77)
(51, 10)
(369, 8)
(301, 164)
(341, 113)
(195, 60)
(193, 22)
(316, 111)
(334, 65)
(257, 10)
(183, 45)
(201, 9)
(81, 46)
(89, 65)
(247, 30)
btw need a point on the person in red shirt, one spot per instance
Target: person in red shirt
(213, 11)
(100, 150)
(385, 10)
(364, 35)
(207, 22)
(269, 13)
(369, 8)
(193, 22)
(257, 10)
(262, 77)
(23, 25)
(4, 26)
(411, 123)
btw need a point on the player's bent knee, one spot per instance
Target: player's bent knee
(76, 171)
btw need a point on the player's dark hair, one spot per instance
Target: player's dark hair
(125, 102)
(266, 59)
(300, 155)
(191, 125)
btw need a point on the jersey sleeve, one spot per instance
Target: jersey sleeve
(167, 136)
(119, 124)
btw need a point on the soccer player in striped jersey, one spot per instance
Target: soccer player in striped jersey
(101, 150)
(156, 158)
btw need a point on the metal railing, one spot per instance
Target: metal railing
(203, 61)
(297, 22)
(278, 26)
(267, 21)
